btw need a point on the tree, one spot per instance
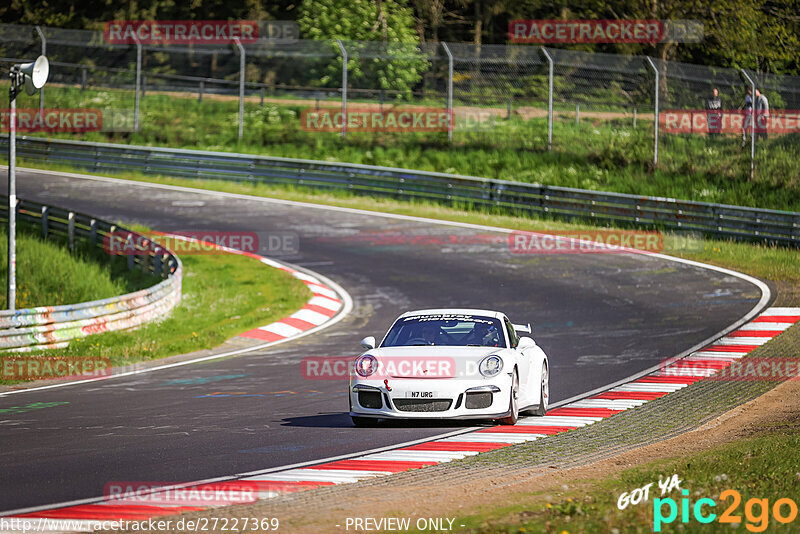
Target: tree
(388, 22)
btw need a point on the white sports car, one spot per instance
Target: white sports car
(450, 364)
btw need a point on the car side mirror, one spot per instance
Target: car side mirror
(525, 342)
(368, 342)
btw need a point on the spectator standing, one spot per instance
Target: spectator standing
(747, 106)
(714, 117)
(762, 115)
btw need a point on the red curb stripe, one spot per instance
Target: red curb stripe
(455, 446)
(668, 379)
(777, 319)
(111, 511)
(755, 333)
(298, 323)
(584, 412)
(374, 465)
(631, 395)
(730, 348)
(319, 309)
(526, 429)
(263, 335)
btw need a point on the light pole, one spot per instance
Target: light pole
(33, 76)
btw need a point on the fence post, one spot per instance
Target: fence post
(241, 85)
(752, 123)
(450, 118)
(71, 230)
(45, 213)
(262, 96)
(344, 87)
(93, 231)
(655, 109)
(549, 98)
(200, 93)
(138, 84)
(634, 117)
(44, 53)
(83, 79)
(577, 114)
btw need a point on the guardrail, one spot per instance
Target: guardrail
(718, 220)
(55, 326)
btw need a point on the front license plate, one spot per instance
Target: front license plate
(421, 394)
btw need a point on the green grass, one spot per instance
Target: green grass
(49, 275)
(607, 154)
(223, 296)
(763, 467)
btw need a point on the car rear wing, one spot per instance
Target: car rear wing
(523, 328)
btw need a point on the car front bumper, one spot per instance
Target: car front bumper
(431, 398)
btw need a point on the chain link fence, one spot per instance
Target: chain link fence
(599, 106)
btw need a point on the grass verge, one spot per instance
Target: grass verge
(761, 468)
(48, 274)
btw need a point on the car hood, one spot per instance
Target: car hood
(431, 361)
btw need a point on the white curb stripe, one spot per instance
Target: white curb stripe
(742, 341)
(765, 326)
(310, 316)
(325, 302)
(282, 329)
(650, 387)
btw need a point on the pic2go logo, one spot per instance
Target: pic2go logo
(756, 511)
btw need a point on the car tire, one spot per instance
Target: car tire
(364, 422)
(513, 402)
(544, 393)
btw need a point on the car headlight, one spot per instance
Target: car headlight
(491, 365)
(366, 365)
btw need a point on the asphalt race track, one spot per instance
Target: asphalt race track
(600, 318)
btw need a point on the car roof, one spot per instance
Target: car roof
(454, 311)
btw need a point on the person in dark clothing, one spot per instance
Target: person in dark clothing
(714, 117)
(747, 106)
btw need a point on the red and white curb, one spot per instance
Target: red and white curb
(325, 303)
(701, 364)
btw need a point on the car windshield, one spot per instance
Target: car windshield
(446, 329)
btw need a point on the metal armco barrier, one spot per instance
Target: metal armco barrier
(718, 220)
(55, 326)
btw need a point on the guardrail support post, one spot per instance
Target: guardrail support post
(93, 231)
(655, 108)
(157, 261)
(634, 117)
(450, 118)
(752, 123)
(138, 85)
(242, 57)
(343, 50)
(200, 93)
(549, 98)
(577, 114)
(71, 230)
(44, 53)
(45, 213)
